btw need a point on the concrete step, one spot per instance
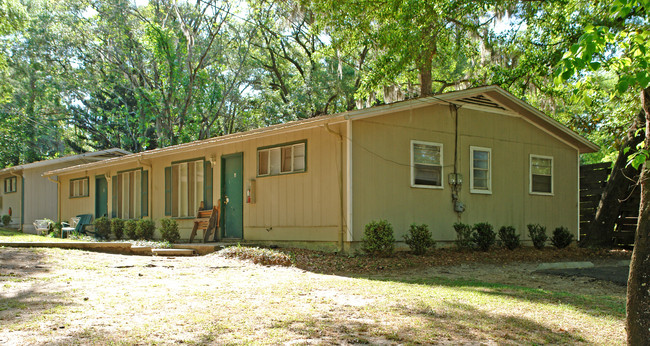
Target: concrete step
(173, 252)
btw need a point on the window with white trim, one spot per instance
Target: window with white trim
(541, 174)
(79, 187)
(426, 164)
(129, 195)
(188, 187)
(480, 170)
(11, 184)
(282, 159)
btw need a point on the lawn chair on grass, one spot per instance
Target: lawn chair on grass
(78, 225)
(206, 220)
(43, 227)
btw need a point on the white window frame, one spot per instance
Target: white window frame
(275, 152)
(473, 189)
(11, 184)
(130, 195)
(183, 187)
(79, 187)
(442, 173)
(530, 175)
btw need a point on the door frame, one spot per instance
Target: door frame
(222, 226)
(97, 178)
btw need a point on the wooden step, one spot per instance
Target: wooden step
(173, 252)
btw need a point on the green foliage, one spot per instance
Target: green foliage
(483, 236)
(56, 230)
(463, 236)
(6, 220)
(378, 239)
(257, 255)
(169, 230)
(131, 229)
(102, 227)
(537, 235)
(509, 237)
(145, 229)
(117, 227)
(419, 239)
(561, 237)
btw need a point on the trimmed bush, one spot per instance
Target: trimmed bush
(169, 230)
(131, 229)
(509, 237)
(102, 227)
(257, 255)
(378, 238)
(561, 237)
(145, 229)
(463, 235)
(6, 220)
(117, 227)
(56, 230)
(483, 236)
(419, 239)
(537, 235)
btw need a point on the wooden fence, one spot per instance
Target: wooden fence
(593, 179)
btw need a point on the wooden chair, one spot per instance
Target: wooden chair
(206, 220)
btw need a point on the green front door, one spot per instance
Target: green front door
(232, 195)
(101, 196)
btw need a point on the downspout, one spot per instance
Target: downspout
(22, 199)
(149, 187)
(58, 197)
(341, 202)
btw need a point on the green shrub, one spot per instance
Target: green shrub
(537, 235)
(378, 238)
(131, 229)
(483, 235)
(509, 237)
(419, 239)
(102, 227)
(56, 230)
(6, 220)
(463, 235)
(561, 237)
(169, 230)
(117, 227)
(145, 229)
(257, 255)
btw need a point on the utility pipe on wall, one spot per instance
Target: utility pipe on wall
(340, 171)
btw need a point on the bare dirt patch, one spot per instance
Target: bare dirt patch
(52, 296)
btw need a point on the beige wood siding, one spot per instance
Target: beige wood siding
(381, 184)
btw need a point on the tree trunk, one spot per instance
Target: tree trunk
(638, 283)
(601, 228)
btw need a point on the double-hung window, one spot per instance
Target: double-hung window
(281, 159)
(130, 194)
(480, 170)
(79, 187)
(11, 184)
(541, 175)
(187, 184)
(426, 164)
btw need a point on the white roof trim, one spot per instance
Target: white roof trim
(89, 156)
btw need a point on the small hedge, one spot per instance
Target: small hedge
(537, 235)
(117, 227)
(6, 220)
(131, 229)
(509, 237)
(463, 236)
(561, 237)
(169, 230)
(483, 236)
(378, 239)
(419, 239)
(102, 227)
(145, 229)
(257, 255)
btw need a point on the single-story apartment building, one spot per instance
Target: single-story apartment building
(27, 196)
(477, 155)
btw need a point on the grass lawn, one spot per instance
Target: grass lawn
(69, 296)
(11, 235)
